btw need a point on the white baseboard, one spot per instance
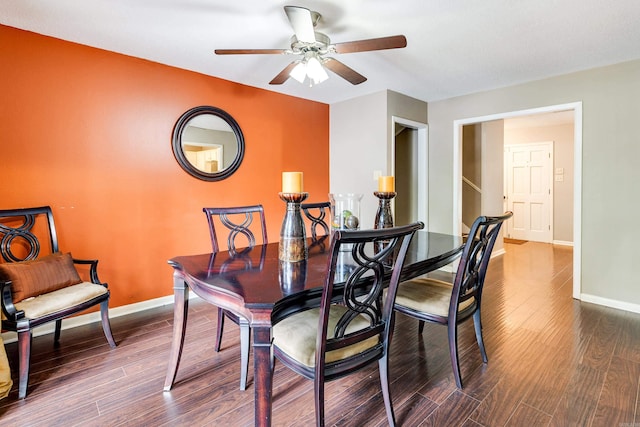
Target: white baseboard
(84, 319)
(562, 243)
(620, 305)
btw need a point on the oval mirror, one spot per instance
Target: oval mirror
(208, 143)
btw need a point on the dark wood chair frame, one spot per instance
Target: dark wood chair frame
(467, 285)
(236, 230)
(317, 218)
(362, 293)
(15, 320)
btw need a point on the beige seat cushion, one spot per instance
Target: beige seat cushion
(5, 372)
(428, 296)
(296, 335)
(58, 300)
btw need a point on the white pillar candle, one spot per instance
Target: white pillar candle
(292, 182)
(386, 184)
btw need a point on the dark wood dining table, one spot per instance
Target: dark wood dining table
(251, 282)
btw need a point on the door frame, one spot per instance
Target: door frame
(576, 107)
(423, 163)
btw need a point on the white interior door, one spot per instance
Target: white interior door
(529, 183)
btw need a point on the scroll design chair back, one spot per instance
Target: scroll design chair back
(436, 301)
(247, 228)
(316, 213)
(349, 326)
(40, 284)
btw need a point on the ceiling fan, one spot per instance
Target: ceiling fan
(312, 47)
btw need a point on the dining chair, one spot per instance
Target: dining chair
(316, 213)
(436, 301)
(349, 326)
(246, 228)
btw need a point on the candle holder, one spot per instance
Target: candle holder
(384, 218)
(293, 240)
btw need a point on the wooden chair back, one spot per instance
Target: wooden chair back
(316, 213)
(25, 234)
(472, 269)
(246, 226)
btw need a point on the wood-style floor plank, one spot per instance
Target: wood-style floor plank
(617, 403)
(552, 361)
(526, 415)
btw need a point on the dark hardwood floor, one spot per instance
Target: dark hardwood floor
(552, 361)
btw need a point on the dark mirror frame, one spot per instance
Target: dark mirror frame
(178, 151)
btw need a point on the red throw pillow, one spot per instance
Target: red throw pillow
(39, 276)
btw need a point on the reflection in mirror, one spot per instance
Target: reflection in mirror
(208, 143)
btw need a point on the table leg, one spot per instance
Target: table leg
(180, 311)
(263, 374)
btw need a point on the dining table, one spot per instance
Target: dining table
(252, 281)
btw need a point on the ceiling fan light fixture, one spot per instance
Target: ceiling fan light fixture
(315, 71)
(310, 68)
(299, 72)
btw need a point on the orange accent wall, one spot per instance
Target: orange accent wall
(88, 132)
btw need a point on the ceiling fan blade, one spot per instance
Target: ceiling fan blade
(349, 74)
(391, 42)
(302, 23)
(283, 75)
(249, 51)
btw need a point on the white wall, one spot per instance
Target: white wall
(610, 99)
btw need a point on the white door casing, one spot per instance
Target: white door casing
(576, 107)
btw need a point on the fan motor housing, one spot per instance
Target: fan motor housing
(320, 46)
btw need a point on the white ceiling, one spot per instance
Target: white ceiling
(455, 47)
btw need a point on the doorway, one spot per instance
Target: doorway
(409, 165)
(576, 109)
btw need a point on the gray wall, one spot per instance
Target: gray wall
(471, 170)
(493, 172)
(357, 147)
(360, 143)
(610, 99)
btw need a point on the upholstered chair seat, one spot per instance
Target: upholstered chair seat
(61, 299)
(297, 334)
(428, 296)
